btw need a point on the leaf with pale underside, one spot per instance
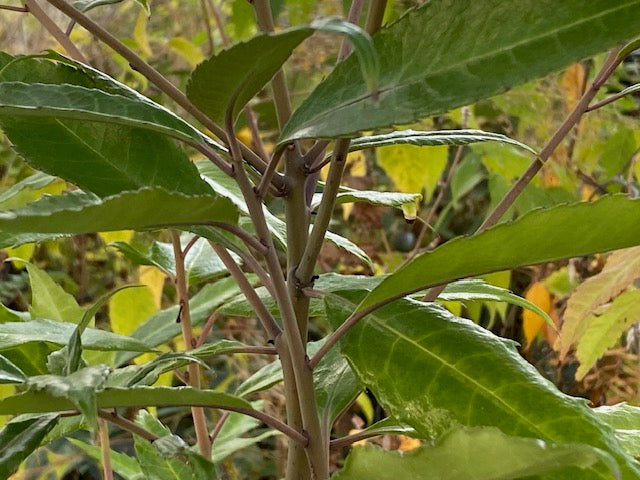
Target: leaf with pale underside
(486, 47)
(541, 235)
(621, 269)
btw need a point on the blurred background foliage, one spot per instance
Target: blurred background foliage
(601, 156)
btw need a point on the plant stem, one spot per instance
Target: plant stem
(127, 425)
(219, 424)
(375, 16)
(160, 81)
(242, 235)
(52, 28)
(207, 25)
(353, 438)
(105, 448)
(198, 414)
(12, 8)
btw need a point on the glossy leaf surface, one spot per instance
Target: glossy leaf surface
(19, 438)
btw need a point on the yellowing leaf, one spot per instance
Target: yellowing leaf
(621, 269)
(347, 208)
(572, 83)
(408, 443)
(364, 402)
(532, 323)
(413, 169)
(140, 36)
(154, 280)
(244, 134)
(357, 164)
(605, 329)
(23, 251)
(130, 307)
(116, 236)
(187, 50)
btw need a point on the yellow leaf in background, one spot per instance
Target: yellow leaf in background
(187, 50)
(6, 391)
(413, 169)
(117, 236)
(532, 323)
(140, 36)
(244, 134)
(347, 208)
(572, 83)
(129, 308)
(408, 443)
(359, 443)
(357, 164)
(154, 280)
(364, 402)
(23, 251)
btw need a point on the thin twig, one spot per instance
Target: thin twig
(127, 425)
(105, 448)
(11, 8)
(219, 424)
(217, 17)
(261, 189)
(249, 240)
(207, 25)
(190, 245)
(607, 101)
(353, 438)
(206, 329)
(69, 29)
(256, 139)
(54, 30)
(313, 155)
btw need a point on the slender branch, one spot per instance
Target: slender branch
(315, 155)
(160, 81)
(258, 144)
(67, 32)
(12, 8)
(261, 189)
(190, 245)
(273, 423)
(269, 324)
(207, 25)
(213, 157)
(54, 30)
(353, 438)
(105, 448)
(217, 17)
(242, 235)
(219, 424)
(199, 419)
(607, 101)
(375, 15)
(206, 329)
(127, 425)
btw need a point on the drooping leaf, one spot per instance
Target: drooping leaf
(241, 71)
(14, 334)
(19, 438)
(603, 329)
(539, 236)
(432, 138)
(385, 199)
(125, 466)
(621, 269)
(49, 300)
(469, 377)
(492, 47)
(79, 212)
(39, 402)
(478, 454)
(10, 372)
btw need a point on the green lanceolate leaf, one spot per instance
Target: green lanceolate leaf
(438, 137)
(74, 102)
(39, 402)
(14, 334)
(539, 236)
(122, 464)
(434, 371)
(19, 438)
(10, 372)
(486, 46)
(79, 212)
(231, 78)
(478, 454)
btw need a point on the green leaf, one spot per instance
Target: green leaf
(39, 402)
(86, 5)
(620, 271)
(486, 46)
(19, 438)
(80, 388)
(162, 327)
(604, 329)
(33, 182)
(49, 300)
(156, 466)
(390, 426)
(74, 102)
(79, 212)
(385, 199)
(14, 334)
(241, 71)
(478, 454)
(434, 371)
(10, 372)
(121, 463)
(434, 138)
(626, 421)
(539, 236)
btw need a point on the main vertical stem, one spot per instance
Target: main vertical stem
(199, 419)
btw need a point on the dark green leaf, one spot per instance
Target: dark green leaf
(19, 438)
(477, 454)
(485, 46)
(434, 371)
(9, 372)
(79, 212)
(538, 236)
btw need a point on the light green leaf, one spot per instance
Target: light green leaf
(621, 269)
(626, 421)
(121, 463)
(156, 466)
(33, 182)
(433, 138)
(80, 388)
(475, 454)
(539, 236)
(385, 199)
(49, 300)
(493, 46)
(130, 308)
(14, 334)
(86, 5)
(603, 329)
(10, 372)
(79, 212)
(19, 438)
(434, 371)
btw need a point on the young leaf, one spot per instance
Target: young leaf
(79, 212)
(19, 438)
(492, 47)
(621, 269)
(539, 236)
(49, 300)
(417, 358)
(478, 453)
(603, 329)
(434, 138)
